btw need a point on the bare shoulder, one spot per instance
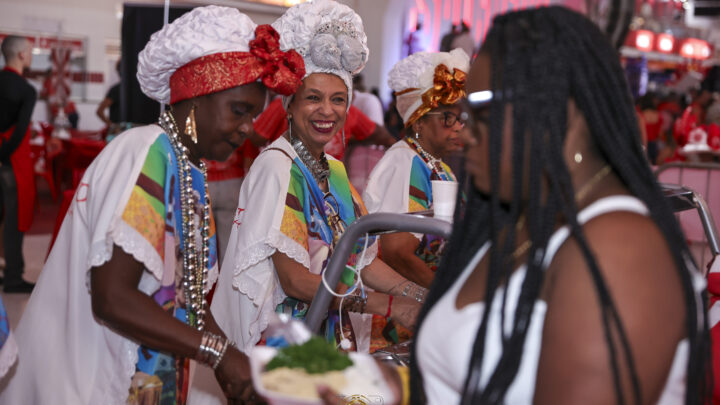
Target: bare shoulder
(636, 263)
(644, 284)
(631, 251)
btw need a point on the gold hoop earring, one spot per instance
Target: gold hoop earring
(190, 127)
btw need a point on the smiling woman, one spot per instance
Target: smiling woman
(296, 202)
(318, 111)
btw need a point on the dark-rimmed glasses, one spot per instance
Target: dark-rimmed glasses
(450, 118)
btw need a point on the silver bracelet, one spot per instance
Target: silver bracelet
(219, 358)
(212, 349)
(419, 292)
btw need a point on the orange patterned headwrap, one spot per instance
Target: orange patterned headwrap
(448, 88)
(281, 72)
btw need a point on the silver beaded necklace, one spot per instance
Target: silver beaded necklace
(195, 266)
(320, 170)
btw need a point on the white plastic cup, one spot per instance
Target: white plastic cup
(444, 195)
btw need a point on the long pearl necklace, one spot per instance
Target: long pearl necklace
(195, 266)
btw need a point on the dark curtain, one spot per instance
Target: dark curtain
(139, 22)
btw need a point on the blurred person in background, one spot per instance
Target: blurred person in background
(17, 175)
(464, 40)
(653, 121)
(111, 104)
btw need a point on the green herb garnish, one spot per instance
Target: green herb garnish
(316, 356)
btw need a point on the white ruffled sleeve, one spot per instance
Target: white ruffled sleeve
(103, 194)
(248, 289)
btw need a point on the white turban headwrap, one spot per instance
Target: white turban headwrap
(424, 80)
(328, 35)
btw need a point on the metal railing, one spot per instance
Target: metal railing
(681, 199)
(373, 224)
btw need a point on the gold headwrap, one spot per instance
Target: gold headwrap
(447, 89)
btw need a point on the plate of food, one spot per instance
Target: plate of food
(289, 376)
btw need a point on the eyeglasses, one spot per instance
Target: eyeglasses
(450, 118)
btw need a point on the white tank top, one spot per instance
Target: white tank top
(445, 357)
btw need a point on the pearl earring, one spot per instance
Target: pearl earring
(578, 157)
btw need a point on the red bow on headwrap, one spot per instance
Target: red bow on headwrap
(447, 89)
(281, 72)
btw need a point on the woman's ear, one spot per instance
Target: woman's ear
(417, 128)
(576, 146)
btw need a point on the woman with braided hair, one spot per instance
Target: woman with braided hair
(590, 275)
(585, 292)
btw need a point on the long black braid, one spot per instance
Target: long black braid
(540, 59)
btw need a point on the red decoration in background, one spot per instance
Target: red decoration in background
(644, 40)
(477, 14)
(665, 43)
(456, 12)
(59, 86)
(691, 48)
(468, 12)
(695, 49)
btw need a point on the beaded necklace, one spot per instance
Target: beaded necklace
(195, 264)
(319, 169)
(433, 163)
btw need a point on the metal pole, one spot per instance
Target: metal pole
(367, 224)
(708, 223)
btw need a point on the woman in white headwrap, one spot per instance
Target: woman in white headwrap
(427, 86)
(119, 309)
(295, 201)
